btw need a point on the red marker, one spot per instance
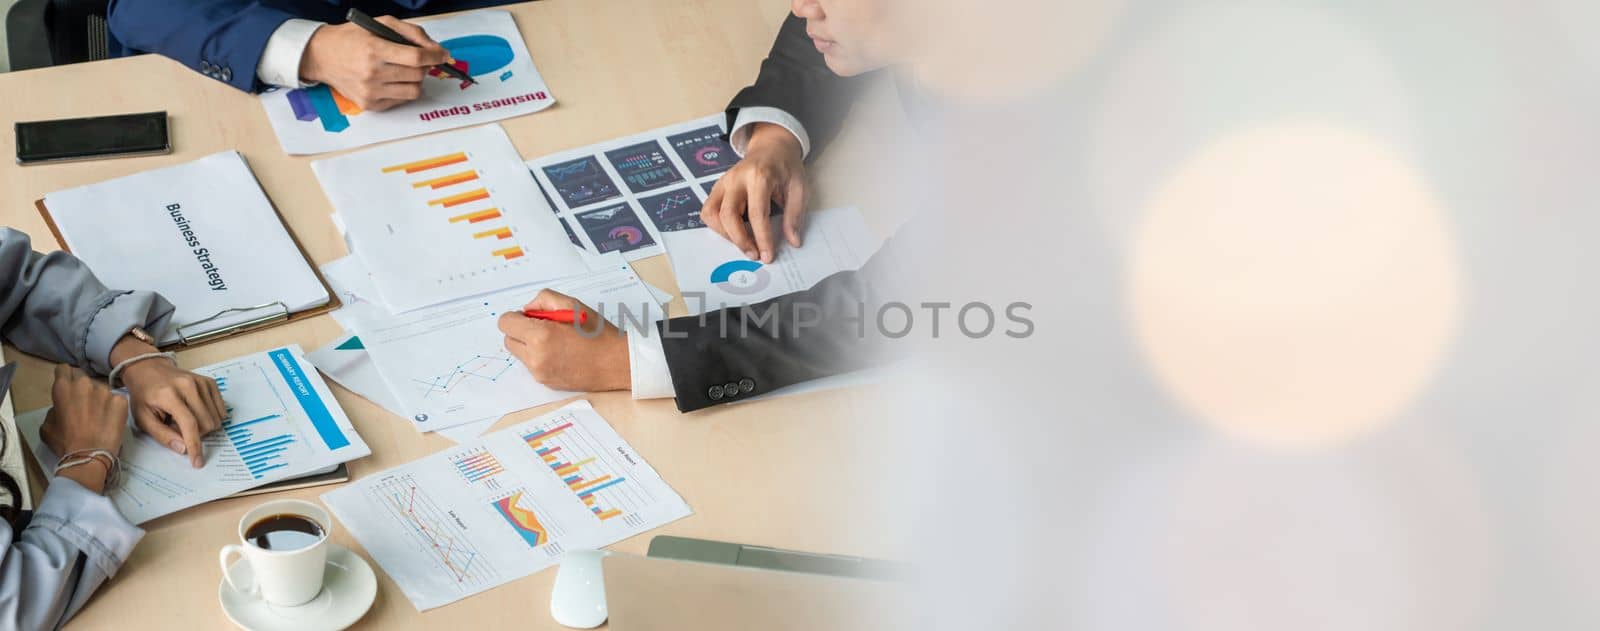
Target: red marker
(564, 316)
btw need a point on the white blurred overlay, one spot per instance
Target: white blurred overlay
(1314, 286)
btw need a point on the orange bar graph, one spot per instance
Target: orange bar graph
(585, 485)
(574, 466)
(475, 217)
(461, 198)
(608, 514)
(430, 163)
(441, 182)
(589, 500)
(346, 106)
(508, 253)
(498, 233)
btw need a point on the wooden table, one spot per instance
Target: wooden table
(785, 473)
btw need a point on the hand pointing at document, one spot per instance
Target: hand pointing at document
(773, 169)
(172, 405)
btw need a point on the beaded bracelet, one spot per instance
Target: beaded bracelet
(83, 456)
(112, 378)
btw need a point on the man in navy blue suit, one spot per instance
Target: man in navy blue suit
(253, 44)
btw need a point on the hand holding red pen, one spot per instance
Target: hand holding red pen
(566, 345)
(560, 316)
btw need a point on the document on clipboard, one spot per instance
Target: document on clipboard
(204, 235)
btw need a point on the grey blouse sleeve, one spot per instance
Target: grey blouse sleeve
(76, 541)
(52, 306)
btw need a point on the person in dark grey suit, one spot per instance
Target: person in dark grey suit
(799, 99)
(52, 306)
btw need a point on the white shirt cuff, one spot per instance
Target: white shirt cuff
(647, 365)
(748, 116)
(280, 60)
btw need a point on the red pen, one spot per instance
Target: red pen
(564, 316)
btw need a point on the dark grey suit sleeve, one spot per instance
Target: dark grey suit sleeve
(738, 352)
(52, 306)
(729, 354)
(794, 78)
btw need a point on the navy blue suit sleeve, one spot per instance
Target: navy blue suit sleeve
(225, 36)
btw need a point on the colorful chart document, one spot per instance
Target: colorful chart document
(622, 195)
(490, 511)
(708, 265)
(445, 217)
(283, 423)
(485, 44)
(448, 365)
(346, 362)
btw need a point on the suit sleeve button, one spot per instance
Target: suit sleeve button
(715, 393)
(227, 74)
(730, 389)
(746, 385)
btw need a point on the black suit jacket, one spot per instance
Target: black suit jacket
(735, 353)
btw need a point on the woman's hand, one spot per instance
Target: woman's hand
(86, 415)
(772, 168)
(174, 406)
(589, 356)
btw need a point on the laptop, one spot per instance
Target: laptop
(651, 593)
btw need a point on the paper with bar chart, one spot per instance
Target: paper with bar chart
(283, 423)
(507, 505)
(448, 364)
(622, 195)
(708, 265)
(484, 44)
(445, 217)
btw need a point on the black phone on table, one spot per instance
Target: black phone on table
(69, 139)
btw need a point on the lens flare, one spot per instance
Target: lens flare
(1294, 284)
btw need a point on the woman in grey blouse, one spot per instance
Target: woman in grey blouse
(53, 307)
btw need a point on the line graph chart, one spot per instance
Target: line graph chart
(489, 368)
(435, 532)
(504, 505)
(449, 365)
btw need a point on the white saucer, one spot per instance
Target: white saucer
(348, 590)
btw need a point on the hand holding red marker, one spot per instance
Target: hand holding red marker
(587, 355)
(563, 316)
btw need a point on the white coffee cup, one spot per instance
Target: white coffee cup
(282, 577)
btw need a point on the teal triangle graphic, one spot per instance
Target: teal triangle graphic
(352, 344)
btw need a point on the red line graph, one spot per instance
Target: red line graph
(444, 545)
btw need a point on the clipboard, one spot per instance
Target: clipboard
(272, 316)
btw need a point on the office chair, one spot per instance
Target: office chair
(43, 33)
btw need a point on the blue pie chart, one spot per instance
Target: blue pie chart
(725, 271)
(740, 276)
(483, 53)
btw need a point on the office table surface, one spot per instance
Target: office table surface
(784, 473)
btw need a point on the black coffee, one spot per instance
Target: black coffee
(283, 532)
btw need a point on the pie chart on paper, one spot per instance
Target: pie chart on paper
(629, 234)
(481, 54)
(741, 277)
